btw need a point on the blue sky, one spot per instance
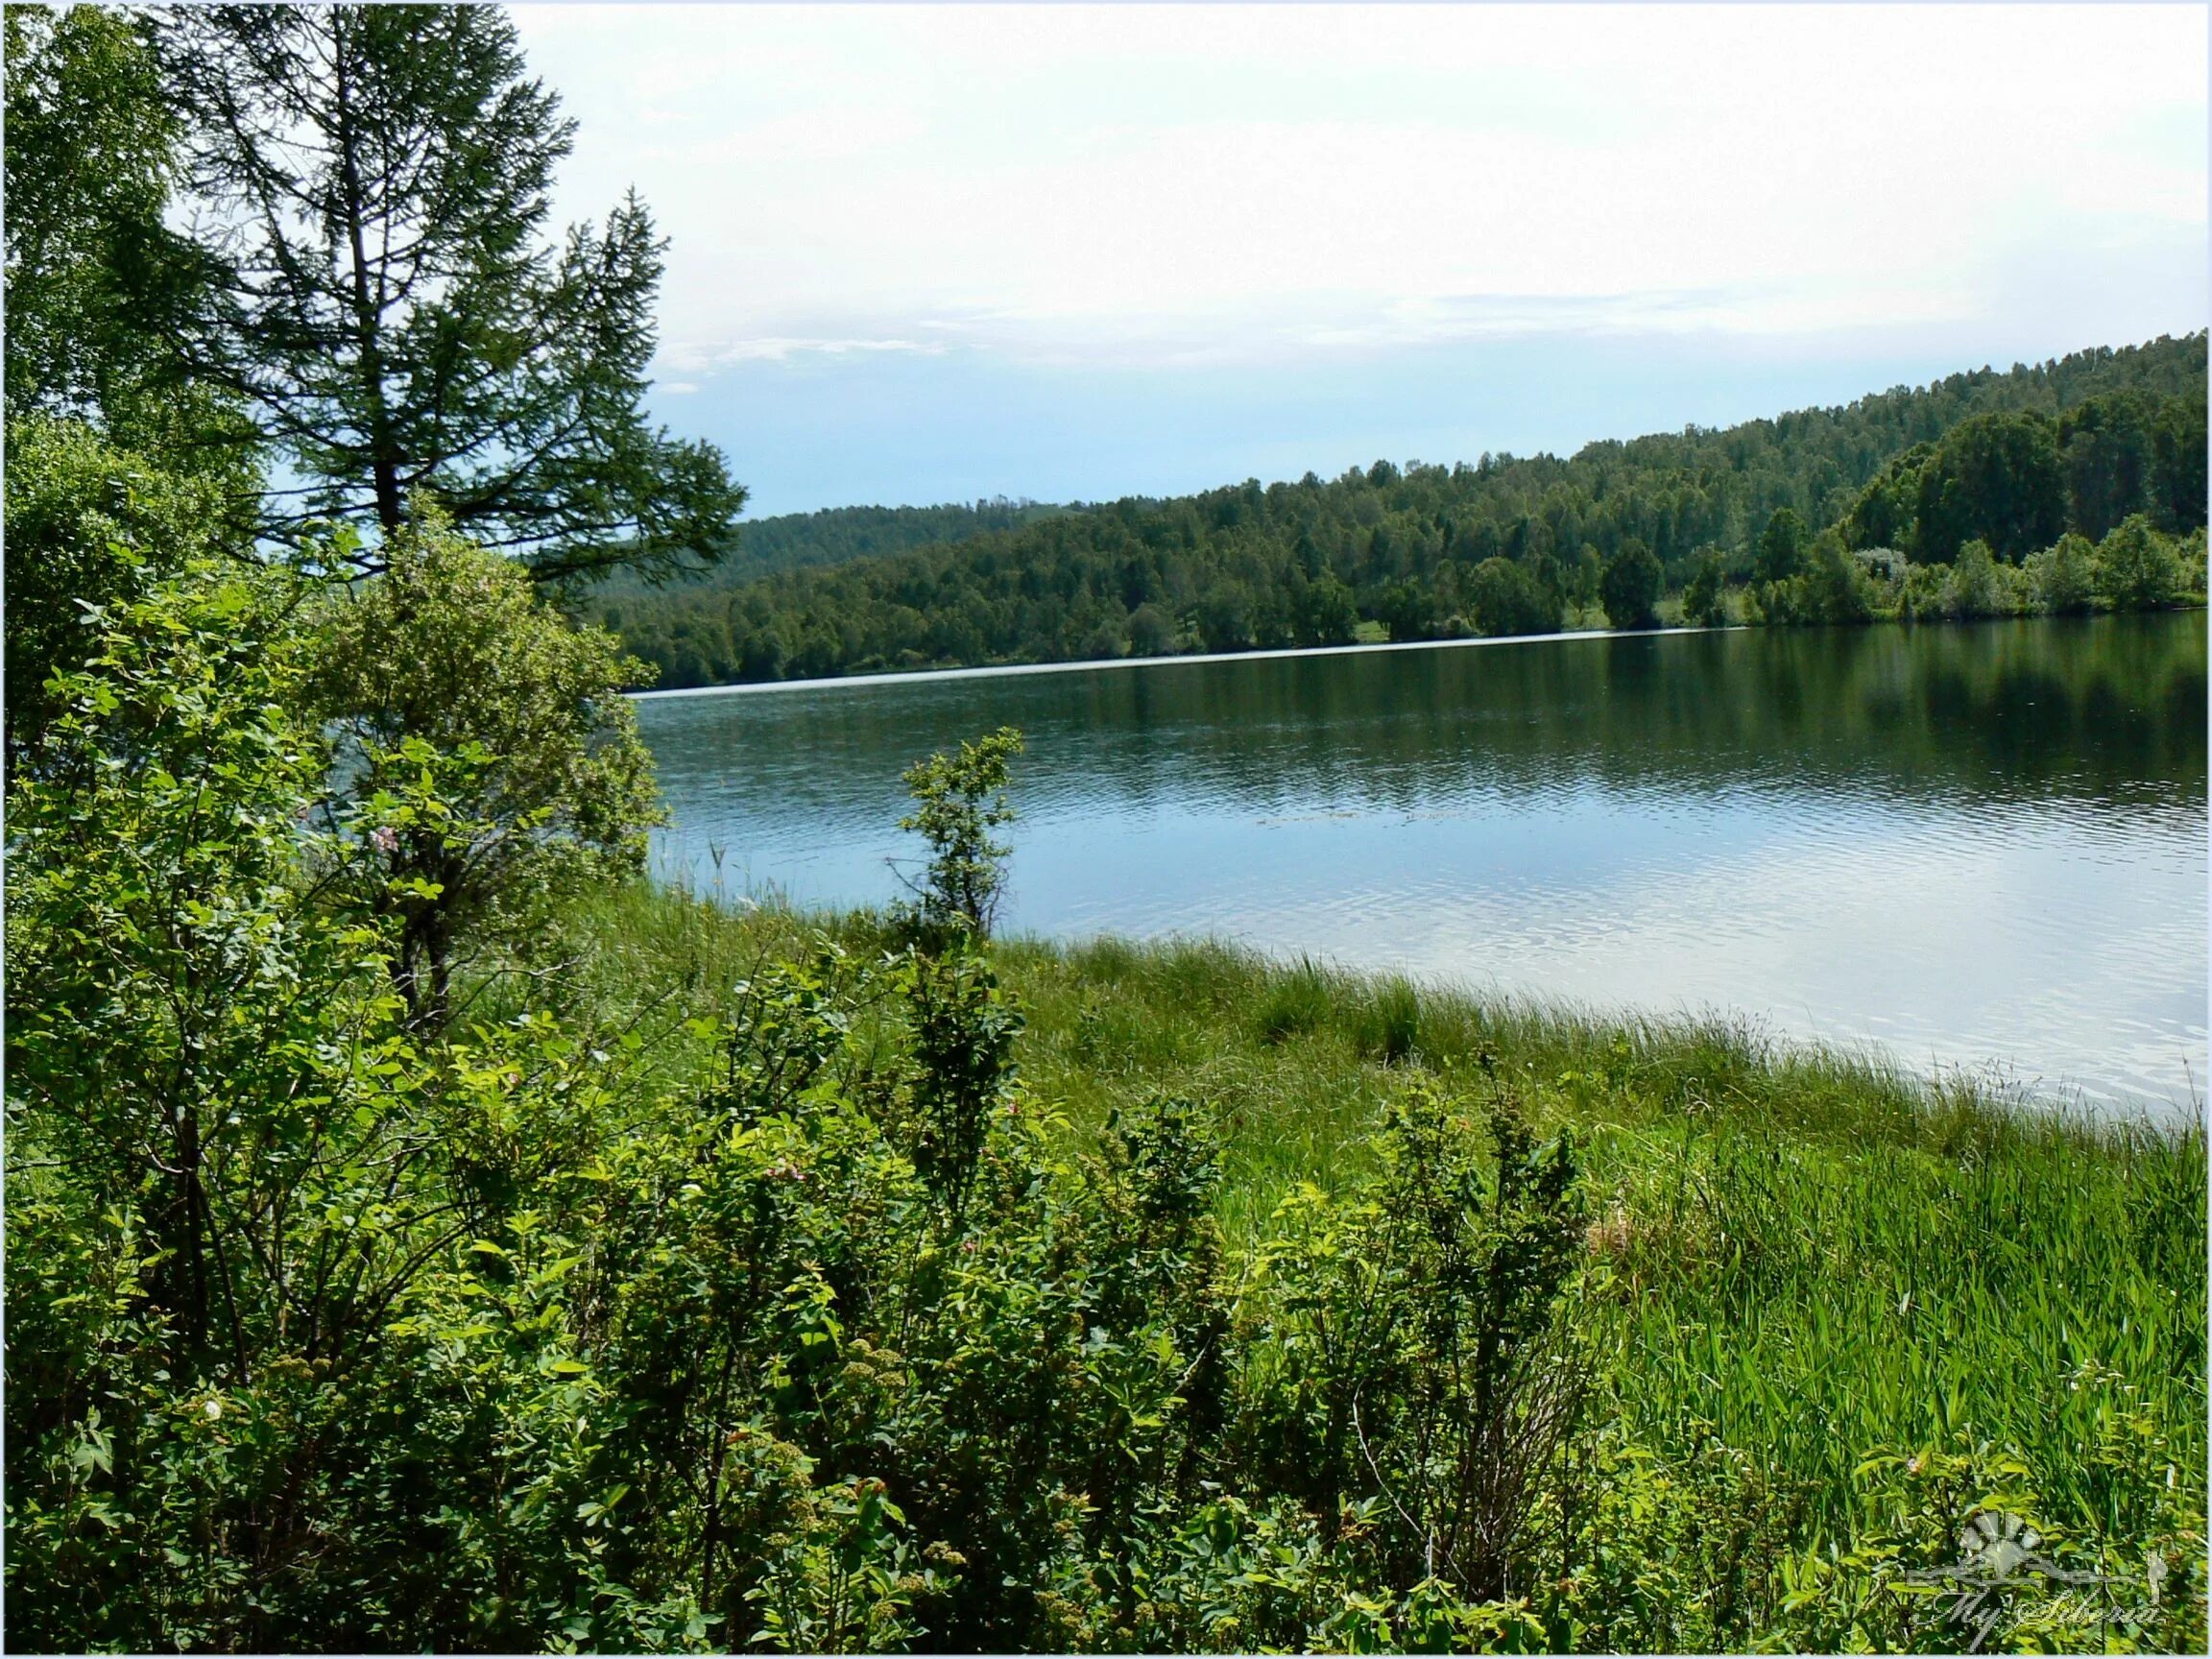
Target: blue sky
(923, 253)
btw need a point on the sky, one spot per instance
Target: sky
(923, 253)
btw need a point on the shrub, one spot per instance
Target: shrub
(88, 526)
(1417, 1353)
(958, 800)
(2136, 569)
(963, 1036)
(2191, 554)
(1705, 597)
(495, 766)
(1831, 589)
(1836, 590)
(2063, 576)
(261, 1383)
(1977, 587)
(1151, 632)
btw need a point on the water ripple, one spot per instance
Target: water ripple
(1861, 836)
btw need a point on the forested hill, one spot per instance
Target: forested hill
(1501, 546)
(839, 535)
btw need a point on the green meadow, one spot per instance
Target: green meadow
(1818, 1282)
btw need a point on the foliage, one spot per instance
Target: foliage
(1305, 561)
(1831, 586)
(423, 1234)
(1630, 586)
(232, 1181)
(830, 536)
(2125, 452)
(2136, 568)
(2105, 452)
(2015, 481)
(762, 1300)
(88, 526)
(1704, 598)
(1885, 514)
(1781, 551)
(97, 280)
(1994, 478)
(958, 800)
(486, 744)
(388, 310)
(1426, 1365)
(1975, 588)
(2063, 575)
(1509, 601)
(964, 1029)
(151, 917)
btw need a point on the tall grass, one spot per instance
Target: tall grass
(1806, 1255)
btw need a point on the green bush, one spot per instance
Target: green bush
(1977, 586)
(2136, 567)
(2063, 576)
(1706, 598)
(1411, 1345)
(88, 526)
(262, 1383)
(959, 799)
(1832, 588)
(486, 735)
(782, 1308)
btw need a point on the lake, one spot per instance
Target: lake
(1979, 847)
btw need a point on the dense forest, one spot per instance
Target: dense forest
(1705, 525)
(834, 535)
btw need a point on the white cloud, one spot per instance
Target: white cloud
(781, 348)
(1248, 182)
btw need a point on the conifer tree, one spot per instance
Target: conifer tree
(98, 283)
(377, 180)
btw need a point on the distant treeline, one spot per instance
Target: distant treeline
(837, 536)
(1770, 520)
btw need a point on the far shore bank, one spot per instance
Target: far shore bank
(911, 676)
(993, 670)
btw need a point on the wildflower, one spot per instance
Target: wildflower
(384, 838)
(214, 1410)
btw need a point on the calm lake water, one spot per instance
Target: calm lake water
(1974, 846)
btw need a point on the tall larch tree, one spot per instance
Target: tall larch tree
(377, 181)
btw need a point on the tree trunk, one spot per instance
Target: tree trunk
(368, 315)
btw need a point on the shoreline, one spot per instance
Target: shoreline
(915, 676)
(1996, 1083)
(994, 670)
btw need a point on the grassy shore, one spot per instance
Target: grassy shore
(1807, 1268)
